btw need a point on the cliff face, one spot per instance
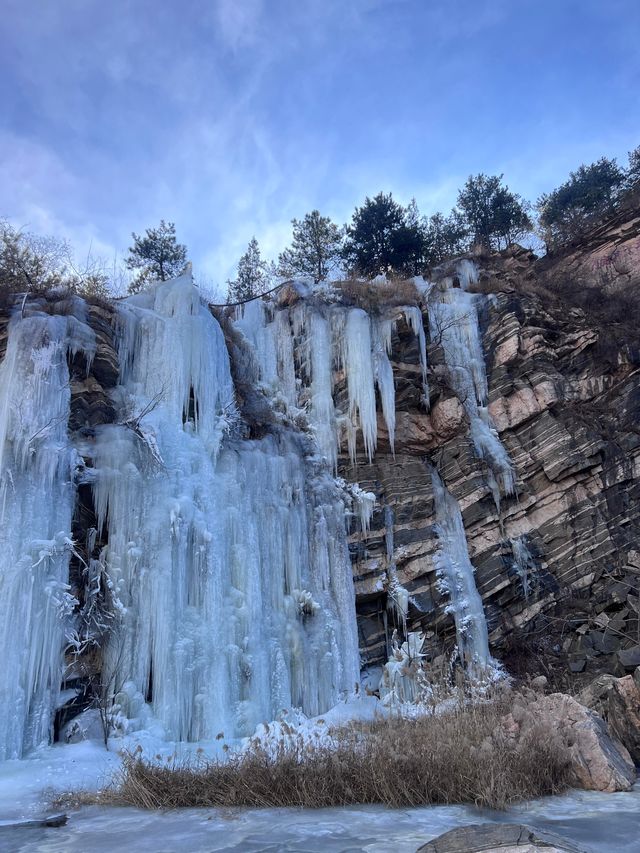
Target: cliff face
(558, 563)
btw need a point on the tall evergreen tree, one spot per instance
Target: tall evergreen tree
(381, 238)
(445, 237)
(157, 255)
(252, 277)
(496, 217)
(633, 172)
(315, 250)
(590, 193)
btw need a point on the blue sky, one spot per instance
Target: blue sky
(230, 117)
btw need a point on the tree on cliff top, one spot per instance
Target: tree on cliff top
(315, 250)
(633, 172)
(590, 193)
(253, 277)
(384, 237)
(157, 255)
(496, 217)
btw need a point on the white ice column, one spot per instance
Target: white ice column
(37, 492)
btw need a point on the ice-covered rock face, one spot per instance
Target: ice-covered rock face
(299, 351)
(453, 324)
(228, 562)
(37, 495)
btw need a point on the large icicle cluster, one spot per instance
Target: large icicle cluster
(37, 491)
(456, 578)
(453, 323)
(300, 350)
(229, 563)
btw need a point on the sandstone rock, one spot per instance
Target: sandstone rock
(566, 415)
(598, 762)
(618, 701)
(503, 837)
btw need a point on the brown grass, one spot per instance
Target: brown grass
(458, 757)
(376, 297)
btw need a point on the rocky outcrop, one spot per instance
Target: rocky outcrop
(557, 564)
(504, 837)
(596, 761)
(609, 256)
(617, 700)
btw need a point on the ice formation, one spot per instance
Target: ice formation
(397, 595)
(453, 323)
(403, 679)
(37, 491)
(523, 562)
(456, 577)
(299, 351)
(228, 563)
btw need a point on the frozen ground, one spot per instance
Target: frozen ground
(601, 823)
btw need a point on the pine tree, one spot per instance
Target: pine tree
(315, 250)
(445, 237)
(590, 193)
(496, 217)
(633, 172)
(381, 238)
(253, 275)
(157, 256)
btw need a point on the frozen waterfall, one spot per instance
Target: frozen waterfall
(37, 492)
(453, 323)
(228, 559)
(301, 350)
(456, 577)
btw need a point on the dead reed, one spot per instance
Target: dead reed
(446, 758)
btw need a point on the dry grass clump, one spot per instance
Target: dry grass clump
(375, 297)
(458, 757)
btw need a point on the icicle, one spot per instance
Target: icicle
(37, 493)
(403, 679)
(453, 323)
(230, 563)
(413, 316)
(456, 576)
(322, 414)
(384, 375)
(467, 273)
(523, 562)
(398, 596)
(252, 320)
(360, 381)
(299, 350)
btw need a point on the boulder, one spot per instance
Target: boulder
(505, 837)
(540, 684)
(630, 658)
(617, 700)
(597, 761)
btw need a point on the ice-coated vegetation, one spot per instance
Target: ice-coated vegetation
(37, 491)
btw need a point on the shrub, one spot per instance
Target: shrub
(447, 758)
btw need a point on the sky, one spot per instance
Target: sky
(231, 117)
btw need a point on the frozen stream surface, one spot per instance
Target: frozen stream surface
(600, 823)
